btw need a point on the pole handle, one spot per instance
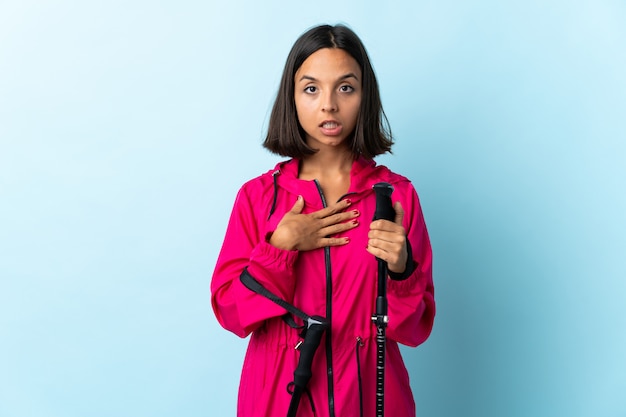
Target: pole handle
(384, 208)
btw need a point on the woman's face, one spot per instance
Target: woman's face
(328, 97)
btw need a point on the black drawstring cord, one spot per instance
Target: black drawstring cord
(359, 343)
(275, 177)
(291, 389)
(308, 393)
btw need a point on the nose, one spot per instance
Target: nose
(329, 103)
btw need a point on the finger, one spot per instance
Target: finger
(377, 238)
(377, 252)
(298, 206)
(332, 209)
(333, 241)
(381, 227)
(339, 218)
(399, 213)
(335, 228)
(389, 254)
(386, 245)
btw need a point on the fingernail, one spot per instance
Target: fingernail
(348, 201)
(355, 222)
(355, 212)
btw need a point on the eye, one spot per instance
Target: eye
(346, 88)
(310, 89)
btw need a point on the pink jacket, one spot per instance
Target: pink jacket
(339, 283)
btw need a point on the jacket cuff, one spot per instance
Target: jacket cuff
(274, 258)
(273, 268)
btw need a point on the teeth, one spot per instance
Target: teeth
(329, 125)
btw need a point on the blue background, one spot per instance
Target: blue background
(126, 128)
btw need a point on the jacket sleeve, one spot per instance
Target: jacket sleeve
(237, 308)
(411, 301)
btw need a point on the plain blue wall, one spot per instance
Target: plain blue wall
(126, 128)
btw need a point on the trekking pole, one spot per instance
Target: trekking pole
(384, 210)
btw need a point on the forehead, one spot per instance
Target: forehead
(329, 63)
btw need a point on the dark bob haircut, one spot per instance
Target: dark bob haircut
(286, 137)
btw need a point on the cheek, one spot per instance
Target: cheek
(354, 112)
(299, 110)
(356, 105)
(303, 111)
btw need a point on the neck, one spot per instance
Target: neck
(326, 163)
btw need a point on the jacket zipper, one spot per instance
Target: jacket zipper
(329, 309)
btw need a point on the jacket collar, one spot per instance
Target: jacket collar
(363, 175)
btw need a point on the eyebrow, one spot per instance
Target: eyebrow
(343, 77)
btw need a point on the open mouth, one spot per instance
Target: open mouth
(331, 128)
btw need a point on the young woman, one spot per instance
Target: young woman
(304, 232)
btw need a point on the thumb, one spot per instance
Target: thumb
(399, 213)
(299, 206)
